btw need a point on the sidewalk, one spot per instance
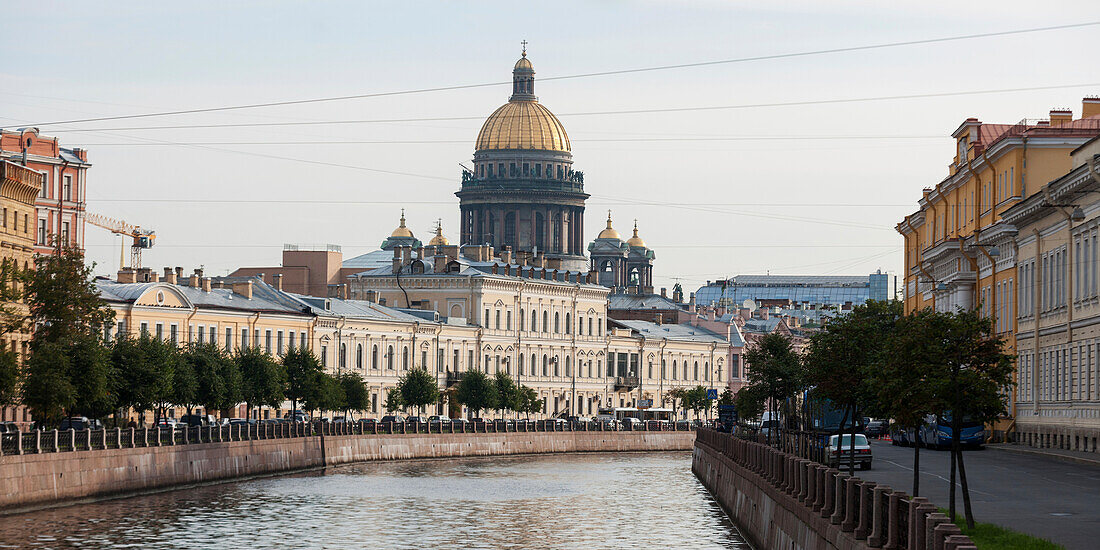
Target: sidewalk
(1075, 457)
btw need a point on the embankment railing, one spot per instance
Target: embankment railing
(59, 441)
(876, 514)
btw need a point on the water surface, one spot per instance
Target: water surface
(630, 500)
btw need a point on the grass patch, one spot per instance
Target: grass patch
(994, 537)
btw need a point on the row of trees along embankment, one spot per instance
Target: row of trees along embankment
(876, 361)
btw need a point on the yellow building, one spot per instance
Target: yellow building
(958, 251)
(19, 186)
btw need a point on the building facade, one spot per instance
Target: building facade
(19, 186)
(60, 203)
(522, 193)
(1056, 229)
(841, 292)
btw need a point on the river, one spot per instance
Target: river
(630, 500)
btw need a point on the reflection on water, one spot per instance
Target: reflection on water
(548, 501)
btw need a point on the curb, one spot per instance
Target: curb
(1012, 448)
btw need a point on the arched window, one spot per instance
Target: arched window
(485, 365)
(557, 323)
(663, 372)
(685, 370)
(343, 355)
(545, 366)
(389, 358)
(520, 364)
(520, 327)
(556, 363)
(706, 370)
(358, 356)
(568, 369)
(534, 321)
(674, 369)
(405, 358)
(510, 229)
(568, 325)
(534, 364)
(557, 232)
(546, 321)
(632, 277)
(590, 326)
(374, 357)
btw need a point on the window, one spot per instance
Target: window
(439, 360)
(663, 374)
(546, 321)
(508, 324)
(590, 326)
(545, 366)
(568, 325)
(144, 328)
(279, 342)
(343, 358)
(160, 331)
(674, 370)
(359, 356)
(173, 333)
(25, 225)
(374, 357)
(65, 232)
(228, 339)
(557, 323)
(267, 341)
(455, 361)
(497, 319)
(304, 341)
(469, 360)
(520, 327)
(520, 364)
(424, 359)
(290, 341)
(706, 370)
(534, 321)
(405, 358)
(244, 337)
(324, 356)
(67, 187)
(485, 364)
(486, 325)
(41, 230)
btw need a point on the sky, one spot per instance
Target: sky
(749, 188)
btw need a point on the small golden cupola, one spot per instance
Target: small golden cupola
(438, 239)
(401, 230)
(636, 241)
(609, 232)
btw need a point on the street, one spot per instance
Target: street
(1054, 500)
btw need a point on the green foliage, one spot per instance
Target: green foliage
(903, 388)
(477, 392)
(217, 376)
(726, 398)
(749, 402)
(325, 395)
(418, 388)
(302, 371)
(185, 382)
(356, 396)
(507, 392)
(263, 380)
(92, 375)
(987, 536)
(10, 375)
(393, 401)
(48, 389)
(527, 401)
(63, 300)
(12, 316)
(775, 371)
(145, 368)
(695, 399)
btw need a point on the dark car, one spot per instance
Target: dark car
(198, 420)
(78, 423)
(241, 422)
(367, 421)
(8, 427)
(875, 428)
(417, 419)
(394, 418)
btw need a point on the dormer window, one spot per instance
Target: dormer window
(962, 151)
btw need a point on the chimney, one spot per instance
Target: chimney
(243, 288)
(506, 255)
(451, 251)
(179, 275)
(663, 293)
(420, 252)
(371, 296)
(206, 284)
(195, 280)
(439, 263)
(710, 314)
(1059, 117)
(396, 259)
(494, 268)
(1090, 107)
(169, 276)
(344, 291)
(406, 254)
(540, 259)
(472, 251)
(127, 275)
(660, 318)
(508, 270)
(691, 303)
(544, 273)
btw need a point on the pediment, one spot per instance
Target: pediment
(163, 296)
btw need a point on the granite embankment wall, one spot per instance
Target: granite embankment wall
(29, 481)
(781, 501)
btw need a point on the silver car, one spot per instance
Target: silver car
(835, 457)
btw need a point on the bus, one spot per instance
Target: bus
(605, 414)
(936, 432)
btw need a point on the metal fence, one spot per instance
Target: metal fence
(54, 441)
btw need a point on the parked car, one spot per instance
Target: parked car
(631, 423)
(166, 422)
(8, 427)
(839, 451)
(368, 421)
(297, 416)
(440, 420)
(904, 437)
(394, 418)
(875, 428)
(339, 419)
(459, 423)
(242, 422)
(417, 419)
(79, 423)
(197, 420)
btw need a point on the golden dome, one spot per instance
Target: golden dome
(438, 239)
(608, 232)
(636, 240)
(401, 230)
(524, 63)
(523, 124)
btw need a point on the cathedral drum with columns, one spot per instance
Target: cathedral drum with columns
(523, 192)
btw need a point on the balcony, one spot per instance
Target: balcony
(626, 383)
(453, 378)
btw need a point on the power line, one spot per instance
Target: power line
(466, 141)
(584, 75)
(594, 113)
(184, 200)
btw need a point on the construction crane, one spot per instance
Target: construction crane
(142, 238)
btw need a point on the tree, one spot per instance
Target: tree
(263, 379)
(902, 388)
(418, 388)
(145, 368)
(726, 398)
(356, 396)
(393, 401)
(775, 371)
(93, 376)
(528, 401)
(302, 372)
(841, 360)
(325, 395)
(13, 317)
(671, 396)
(507, 392)
(749, 403)
(477, 392)
(185, 382)
(696, 399)
(969, 373)
(48, 389)
(62, 298)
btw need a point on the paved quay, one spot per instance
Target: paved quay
(1026, 492)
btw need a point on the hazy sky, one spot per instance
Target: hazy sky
(806, 189)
